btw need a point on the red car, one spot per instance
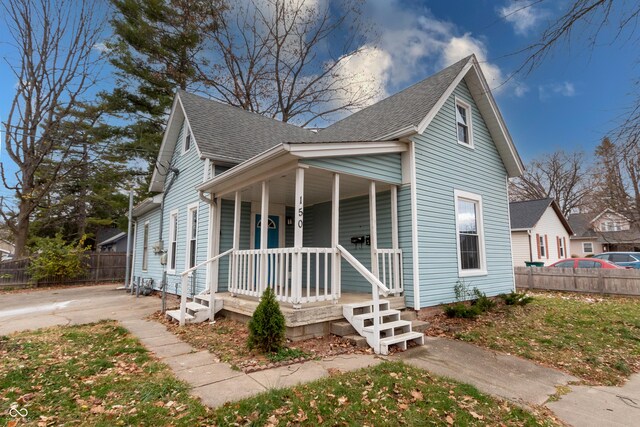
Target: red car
(585, 263)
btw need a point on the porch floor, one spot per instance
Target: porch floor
(311, 319)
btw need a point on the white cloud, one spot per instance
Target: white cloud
(101, 47)
(523, 15)
(368, 71)
(420, 44)
(549, 90)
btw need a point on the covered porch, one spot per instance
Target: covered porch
(327, 233)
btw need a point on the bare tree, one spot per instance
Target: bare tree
(560, 175)
(54, 68)
(589, 18)
(288, 59)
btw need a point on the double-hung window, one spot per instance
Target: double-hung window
(470, 234)
(173, 241)
(561, 249)
(463, 123)
(542, 246)
(186, 144)
(192, 235)
(587, 247)
(145, 247)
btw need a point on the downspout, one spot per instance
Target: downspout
(530, 250)
(163, 284)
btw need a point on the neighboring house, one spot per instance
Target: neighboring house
(7, 249)
(115, 243)
(408, 194)
(607, 231)
(539, 232)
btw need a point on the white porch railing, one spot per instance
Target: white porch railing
(377, 287)
(390, 269)
(312, 283)
(184, 276)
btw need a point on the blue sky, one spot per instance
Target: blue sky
(570, 102)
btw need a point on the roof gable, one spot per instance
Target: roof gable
(524, 215)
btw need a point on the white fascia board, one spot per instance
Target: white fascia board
(167, 147)
(265, 156)
(400, 133)
(339, 149)
(521, 229)
(496, 125)
(447, 93)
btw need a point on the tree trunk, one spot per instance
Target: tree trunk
(22, 230)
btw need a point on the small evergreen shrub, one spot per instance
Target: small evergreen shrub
(267, 326)
(516, 298)
(462, 311)
(482, 301)
(55, 258)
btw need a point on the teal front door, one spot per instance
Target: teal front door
(273, 240)
(273, 235)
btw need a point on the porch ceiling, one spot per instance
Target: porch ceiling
(317, 187)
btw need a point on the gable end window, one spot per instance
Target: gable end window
(463, 123)
(186, 145)
(470, 234)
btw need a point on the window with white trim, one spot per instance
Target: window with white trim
(543, 247)
(186, 146)
(470, 234)
(561, 249)
(587, 247)
(463, 123)
(192, 235)
(145, 247)
(173, 241)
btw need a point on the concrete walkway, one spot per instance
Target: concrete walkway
(527, 383)
(509, 377)
(216, 383)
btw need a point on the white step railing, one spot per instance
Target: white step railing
(312, 282)
(390, 269)
(184, 276)
(377, 287)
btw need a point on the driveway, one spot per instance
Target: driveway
(21, 311)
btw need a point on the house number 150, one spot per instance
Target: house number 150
(300, 214)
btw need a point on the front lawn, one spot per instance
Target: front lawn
(388, 394)
(596, 338)
(90, 375)
(99, 375)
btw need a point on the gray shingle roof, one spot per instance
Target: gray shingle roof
(406, 108)
(581, 224)
(224, 131)
(526, 214)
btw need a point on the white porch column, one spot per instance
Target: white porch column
(336, 286)
(214, 244)
(264, 235)
(394, 238)
(233, 262)
(296, 270)
(373, 232)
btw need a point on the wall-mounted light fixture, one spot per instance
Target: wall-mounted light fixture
(289, 220)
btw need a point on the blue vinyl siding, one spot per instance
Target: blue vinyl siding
(354, 221)
(405, 241)
(442, 166)
(226, 237)
(380, 167)
(154, 268)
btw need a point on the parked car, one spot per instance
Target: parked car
(624, 259)
(585, 263)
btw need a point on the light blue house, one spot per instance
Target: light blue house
(405, 198)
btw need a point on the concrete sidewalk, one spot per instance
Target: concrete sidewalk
(215, 383)
(527, 383)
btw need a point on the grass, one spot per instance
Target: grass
(594, 338)
(389, 394)
(99, 375)
(95, 375)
